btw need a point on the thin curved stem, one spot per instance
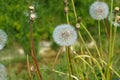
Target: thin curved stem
(95, 61)
(74, 77)
(116, 73)
(80, 56)
(91, 39)
(85, 45)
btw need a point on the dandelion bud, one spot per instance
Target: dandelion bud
(78, 19)
(66, 9)
(31, 7)
(116, 9)
(77, 25)
(65, 2)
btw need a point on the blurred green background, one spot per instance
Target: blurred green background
(14, 20)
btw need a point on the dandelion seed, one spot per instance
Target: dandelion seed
(64, 35)
(3, 73)
(99, 10)
(3, 39)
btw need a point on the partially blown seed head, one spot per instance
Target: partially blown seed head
(64, 35)
(99, 10)
(3, 39)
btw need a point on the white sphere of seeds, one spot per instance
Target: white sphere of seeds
(99, 10)
(3, 73)
(64, 35)
(3, 39)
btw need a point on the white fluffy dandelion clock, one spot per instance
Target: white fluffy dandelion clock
(3, 73)
(64, 35)
(99, 10)
(3, 39)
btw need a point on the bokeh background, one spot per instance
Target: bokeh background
(14, 20)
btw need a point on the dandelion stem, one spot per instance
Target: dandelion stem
(68, 53)
(33, 51)
(110, 46)
(113, 45)
(99, 32)
(74, 9)
(69, 62)
(100, 39)
(67, 17)
(114, 36)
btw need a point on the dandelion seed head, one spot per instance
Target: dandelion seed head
(3, 73)
(99, 10)
(3, 39)
(117, 9)
(64, 35)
